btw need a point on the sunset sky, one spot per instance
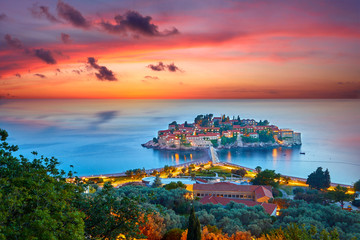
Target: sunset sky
(180, 49)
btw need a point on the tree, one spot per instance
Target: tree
(157, 182)
(295, 232)
(241, 172)
(258, 169)
(108, 215)
(173, 234)
(174, 185)
(36, 202)
(319, 179)
(153, 227)
(167, 169)
(339, 195)
(357, 185)
(194, 229)
(266, 177)
(286, 180)
(129, 173)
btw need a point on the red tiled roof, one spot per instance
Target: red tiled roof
(262, 192)
(269, 207)
(226, 186)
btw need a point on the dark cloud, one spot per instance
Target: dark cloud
(58, 70)
(103, 73)
(76, 71)
(344, 83)
(18, 75)
(40, 75)
(159, 67)
(3, 16)
(41, 53)
(151, 77)
(106, 116)
(13, 42)
(42, 11)
(162, 67)
(134, 22)
(72, 15)
(65, 38)
(44, 55)
(172, 68)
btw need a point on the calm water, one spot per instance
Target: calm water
(104, 136)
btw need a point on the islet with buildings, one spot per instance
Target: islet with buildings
(223, 132)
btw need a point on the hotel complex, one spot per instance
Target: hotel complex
(208, 131)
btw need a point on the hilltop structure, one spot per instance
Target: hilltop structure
(224, 192)
(221, 132)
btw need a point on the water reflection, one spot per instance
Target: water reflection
(274, 154)
(229, 156)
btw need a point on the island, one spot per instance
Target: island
(222, 132)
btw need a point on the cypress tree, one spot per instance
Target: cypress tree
(157, 182)
(327, 181)
(194, 231)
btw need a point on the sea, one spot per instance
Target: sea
(101, 136)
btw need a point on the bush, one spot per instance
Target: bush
(276, 193)
(173, 234)
(298, 190)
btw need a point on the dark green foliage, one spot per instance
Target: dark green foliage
(226, 141)
(173, 234)
(203, 120)
(155, 140)
(194, 229)
(249, 139)
(298, 190)
(157, 182)
(312, 196)
(135, 173)
(35, 200)
(258, 169)
(174, 185)
(235, 217)
(263, 123)
(322, 217)
(214, 143)
(319, 179)
(173, 199)
(276, 193)
(339, 195)
(266, 136)
(266, 177)
(357, 185)
(296, 232)
(108, 215)
(241, 172)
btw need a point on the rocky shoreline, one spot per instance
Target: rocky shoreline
(157, 146)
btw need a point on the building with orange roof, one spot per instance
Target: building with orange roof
(255, 193)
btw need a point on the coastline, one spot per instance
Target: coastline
(152, 145)
(204, 161)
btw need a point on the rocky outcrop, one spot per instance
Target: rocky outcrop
(237, 144)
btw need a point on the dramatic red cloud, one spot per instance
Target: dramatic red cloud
(217, 49)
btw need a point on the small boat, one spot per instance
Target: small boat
(302, 153)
